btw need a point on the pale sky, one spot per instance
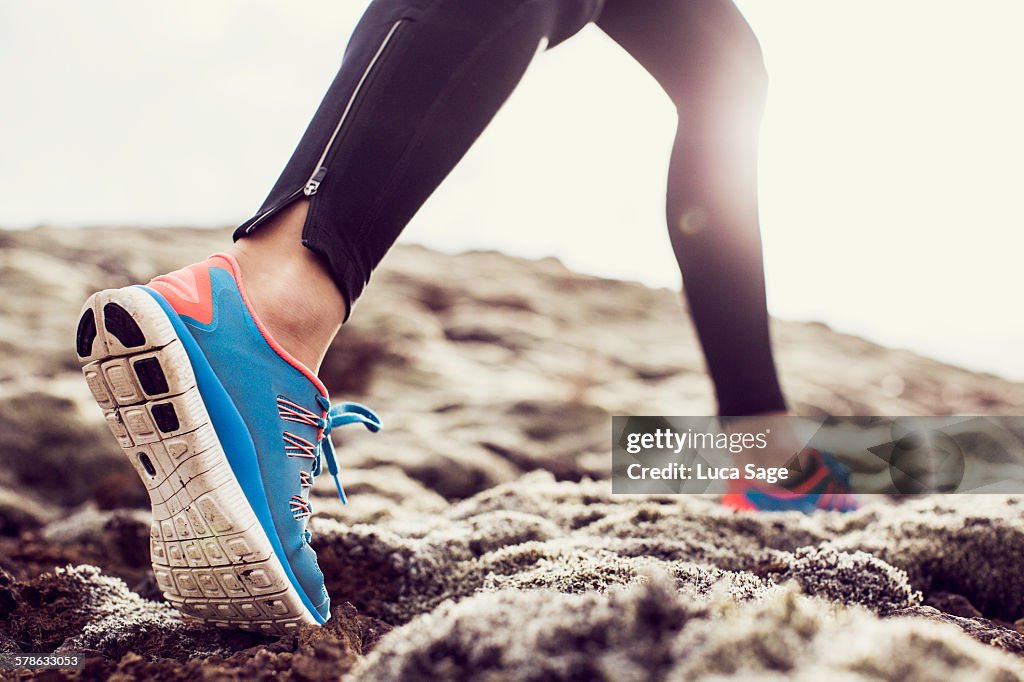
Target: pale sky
(891, 170)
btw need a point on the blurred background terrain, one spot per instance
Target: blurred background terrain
(890, 157)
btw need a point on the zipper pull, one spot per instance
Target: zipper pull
(314, 182)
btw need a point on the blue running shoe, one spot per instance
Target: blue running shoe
(227, 431)
(824, 485)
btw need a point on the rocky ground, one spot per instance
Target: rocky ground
(481, 540)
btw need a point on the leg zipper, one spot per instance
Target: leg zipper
(320, 169)
(261, 217)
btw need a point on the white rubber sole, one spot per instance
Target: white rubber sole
(211, 558)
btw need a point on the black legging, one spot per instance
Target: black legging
(422, 78)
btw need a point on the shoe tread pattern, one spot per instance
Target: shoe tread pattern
(211, 558)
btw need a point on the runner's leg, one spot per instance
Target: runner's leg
(706, 58)
(419, 81)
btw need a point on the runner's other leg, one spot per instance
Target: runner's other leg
(708, 61)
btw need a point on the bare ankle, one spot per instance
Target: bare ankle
(290, 287)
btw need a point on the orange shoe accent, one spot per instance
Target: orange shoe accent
(188, 291)
(737, 502)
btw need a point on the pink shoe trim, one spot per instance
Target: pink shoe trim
(737, 502)
(236, 272)
(188, 291)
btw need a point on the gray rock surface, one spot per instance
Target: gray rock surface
(651, 631)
